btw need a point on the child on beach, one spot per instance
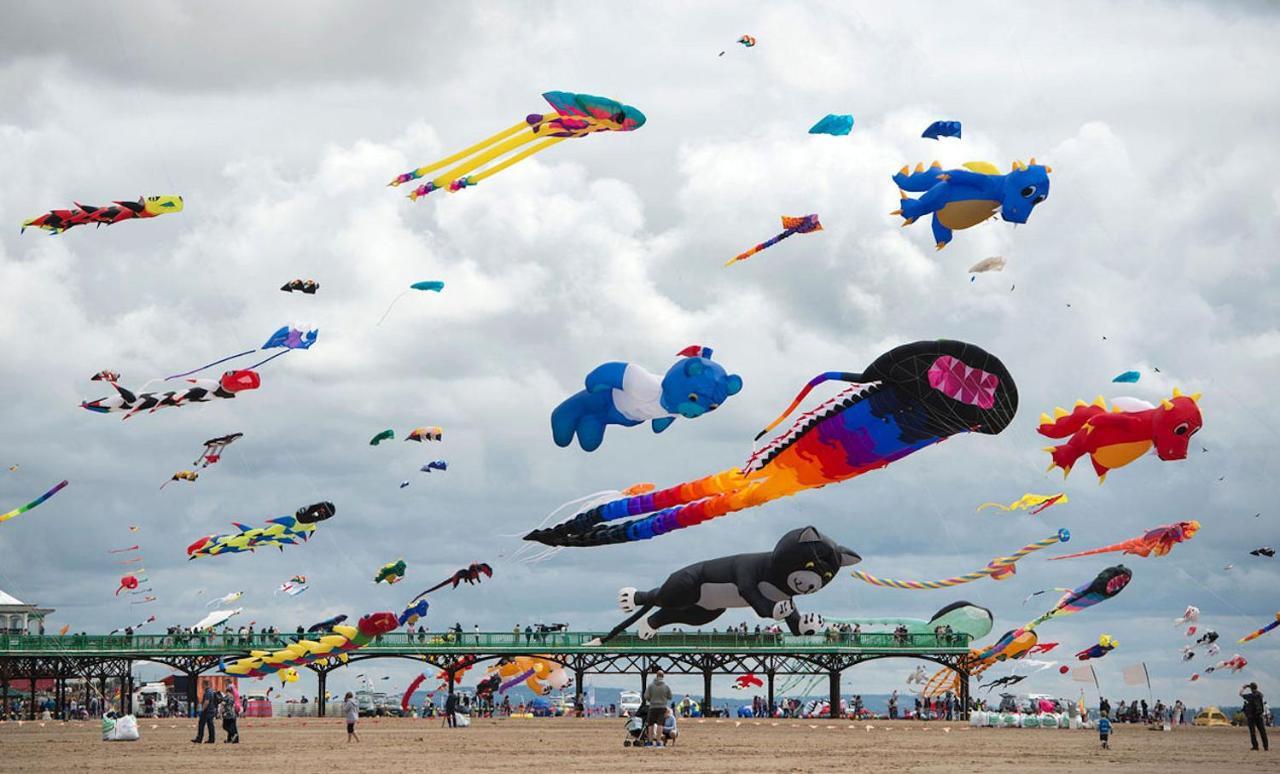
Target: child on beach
(1104, 731)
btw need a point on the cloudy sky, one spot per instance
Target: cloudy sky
(280, 125)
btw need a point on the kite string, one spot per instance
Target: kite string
(214, 363)
(393, 303)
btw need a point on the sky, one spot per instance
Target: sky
(280, 125)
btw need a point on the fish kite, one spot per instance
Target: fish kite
(105, 376)
(434, 465)
(743, 682)
(791, 224)
(1003, 682)
(226, 600)
(385, 435)
(838, 124)
(1233, 664)
(1159, 541)
(339, 644)
(994, 263)
(962, 198)
(939, 129)
(421, 434)
(1114, 438)
(181, 475)
(216, 618)
(1253, 635)
(58, 221)
(1190, 615)
(286, 530)
(392, 572)
(21, 509)
(1032, 503)
(999, 568)
(214, 447)
(1106, 585)
(1128, 377)
(327, 623)
(435, 285)
(908, 399)
(576, 115)
(201, 391)
(1106, 644)
(286, 338)
(303, 286)
(1266, 551)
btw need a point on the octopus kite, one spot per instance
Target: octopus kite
(997, 569)
(961, 198)
(201, 391)
(339, 644)
(576, 115)
(286, 530)
(1159, 541)
(58, 221)
(1130, 429)
(908, 399)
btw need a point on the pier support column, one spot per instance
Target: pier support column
(706, 691)
(770, 708)
(578, 675)
(964, 694)
(834, 677)
(321, 701)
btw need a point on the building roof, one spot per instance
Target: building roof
(7, 599)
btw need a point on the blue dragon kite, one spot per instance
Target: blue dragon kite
(960, 198)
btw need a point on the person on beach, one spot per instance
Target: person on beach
(352, 712)
(208, 709)
(230, 728)
(1104, 732)
(658, 696)
(1254, 715)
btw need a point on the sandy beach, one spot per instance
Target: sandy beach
(568, 745)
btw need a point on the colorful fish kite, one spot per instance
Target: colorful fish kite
(1106, 585)
(21, 509)
(385, 435)
(286, 338)
(1128, 377)
(181, 475)
(939, 129)
(577, 115)
(391, 572)
(1255, 634)
(214, 447)
(435, 285)
(421, 434)
(286, 530)
(339, 644)
(1159, 541)
(58, 221)
(201, 391)
(908, 399)
(803, 224)
(999, 568)
(838, 124)
(1114, 438)
(1032, 503)
(434, 465)
(302, 286)
(1106, 644)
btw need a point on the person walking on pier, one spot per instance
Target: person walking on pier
(208, 709)
(352, 712)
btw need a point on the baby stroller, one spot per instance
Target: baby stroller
(635, 728)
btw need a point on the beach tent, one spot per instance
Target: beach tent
(1212, 716)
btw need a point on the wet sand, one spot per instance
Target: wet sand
(569, 745)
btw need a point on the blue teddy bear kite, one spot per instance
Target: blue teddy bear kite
(626, 394)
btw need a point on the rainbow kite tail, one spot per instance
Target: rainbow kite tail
(997, 569)
(34, 503)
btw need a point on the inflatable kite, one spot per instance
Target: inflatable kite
(471, 575)
(960, 617)
(227, 599)
(1233, 664)
(385, 435)
(1003, 682)
(201, 391)
(1106, 644)
(1159, 541)
(302, 286)
(1128, 377)
(129, 582)
(576, 115)
(339, 644)
(408, 692)
(791, 224)
(1114, 438)
(626, 394)
(286, 530)
(1106, 585)
(908, 399)
(539, 674)
(838, 124)
(434, 465)
(105, 376)
(391, 572)
(1032, 503)
(181, 475)
(421, 434)
(21, 509)
(994, 263)
(802, 562)
(747, 41)
(294, 586)
(1255, 634)
(216, 618)
(1264, 551)
(961, 198)
(997, 569)
(214, 447)
(327, 623)
(57, 221)
(416, 609)
(1209, 639)
(1190, 615)
(286, 338)
(939, 129)
(435, 285)
(744, 682)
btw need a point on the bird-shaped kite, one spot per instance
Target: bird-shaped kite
(576, 115)
(791, 224)
(1159, 541)
(57, 221)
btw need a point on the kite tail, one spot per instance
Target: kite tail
(462, 154)
(210, 365)
(514, 681)
(762, 246)
(521, 156)
(667, 509)
(622, 627)
(814, 382)
(474, 162)
(997, 569)
(1091, 552)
